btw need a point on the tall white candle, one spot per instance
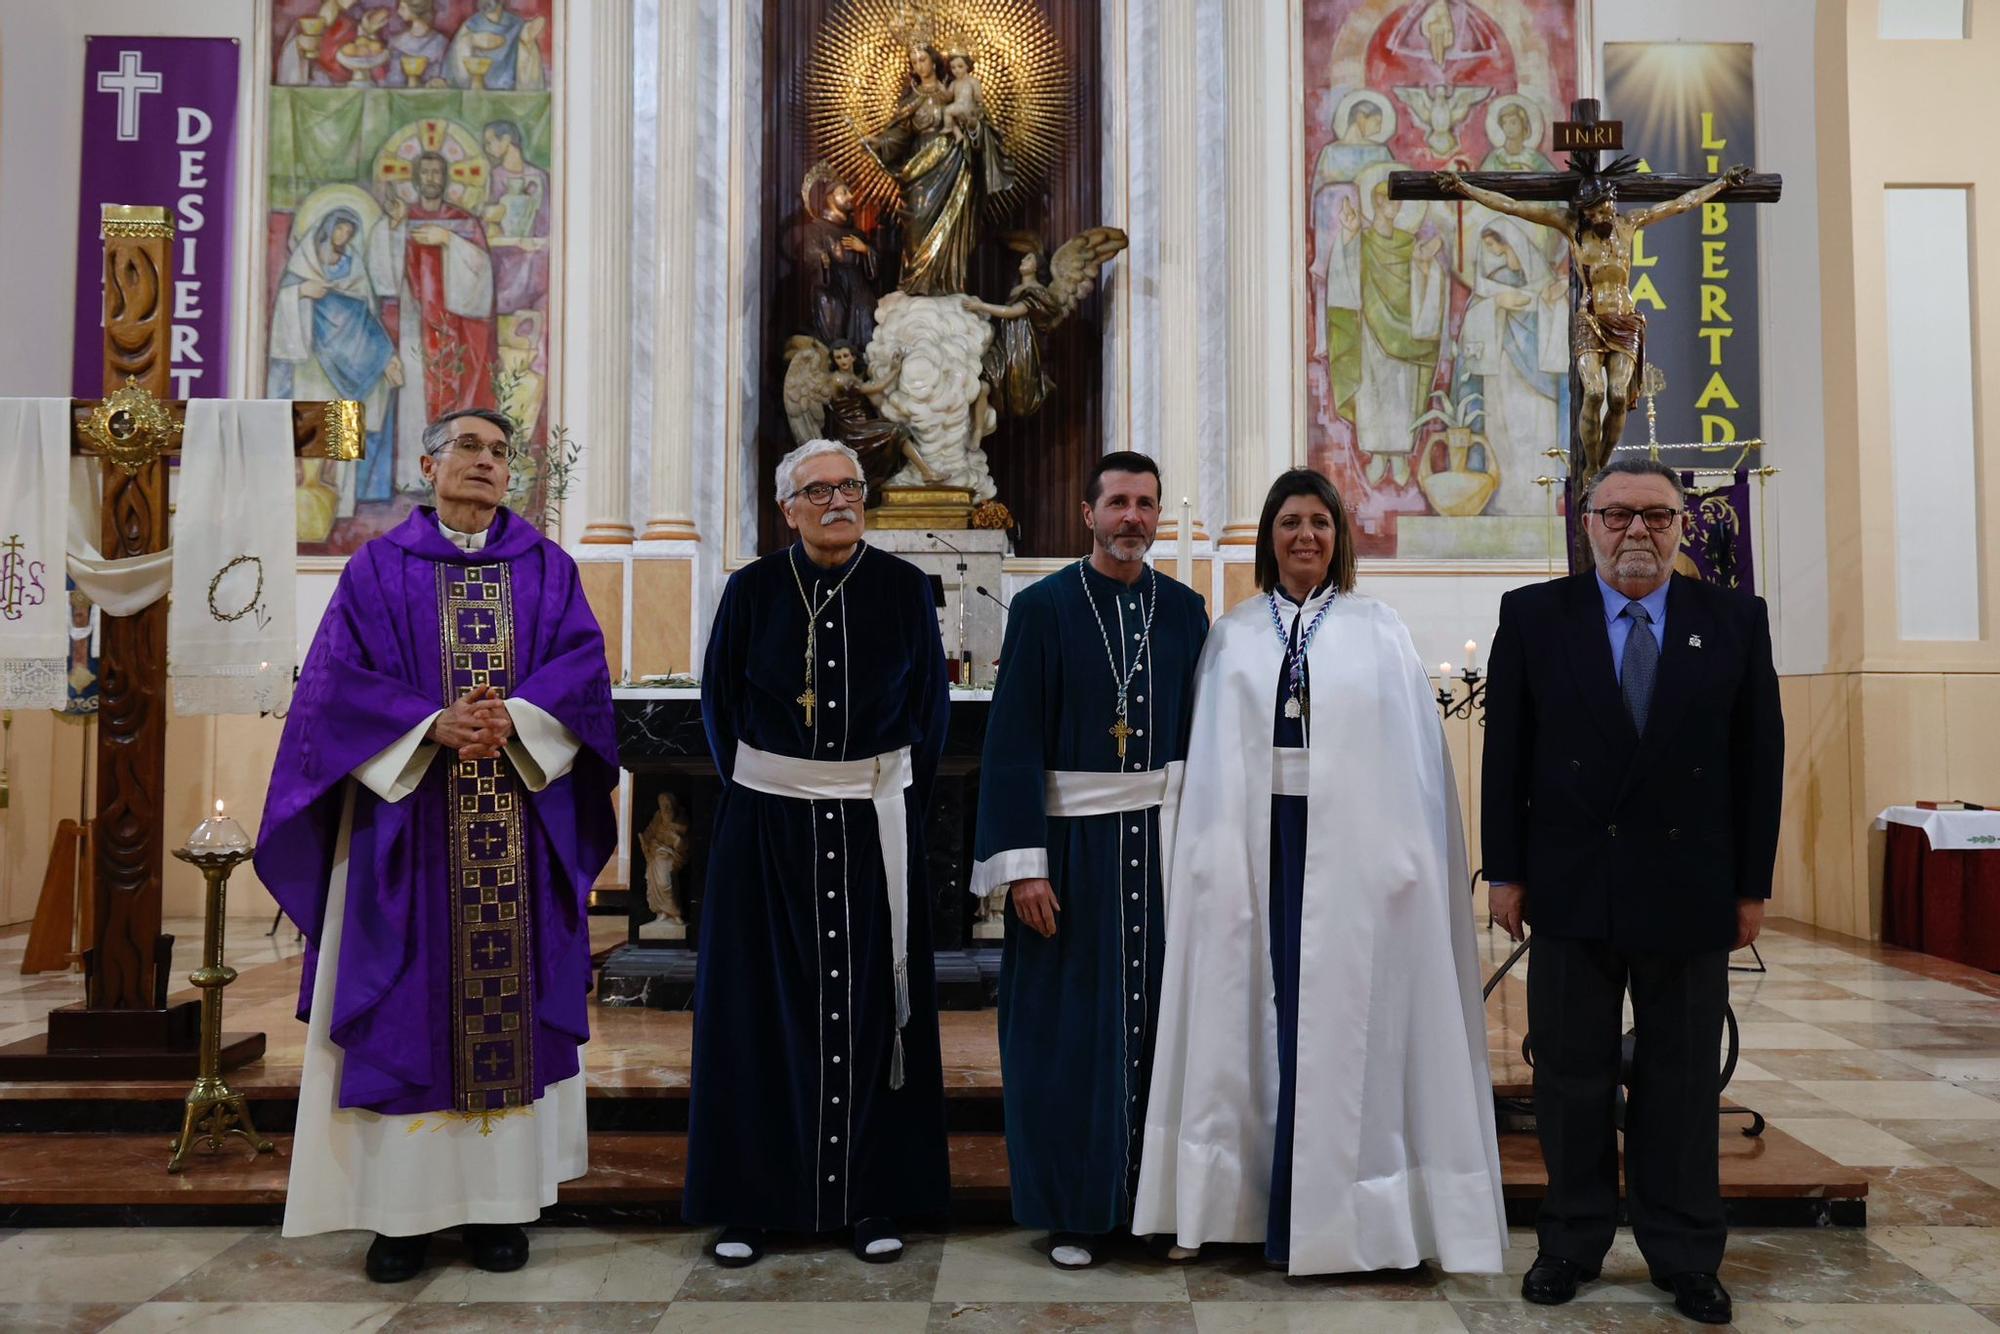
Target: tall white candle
(1471, 655)
(1186, 562)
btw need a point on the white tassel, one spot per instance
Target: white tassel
(902, 975)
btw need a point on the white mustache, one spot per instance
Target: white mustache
(832, 517)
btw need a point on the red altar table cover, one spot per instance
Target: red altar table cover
(1944, 903)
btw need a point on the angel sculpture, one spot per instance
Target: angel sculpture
(825, 396)
(1013, 364)
(1441, 109)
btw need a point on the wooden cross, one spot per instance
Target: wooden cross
(1121, 729)
(1583, 137)
(121, 1029)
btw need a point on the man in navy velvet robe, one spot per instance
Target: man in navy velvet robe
(818, 1097)
(1088, 727)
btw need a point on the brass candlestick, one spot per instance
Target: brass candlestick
(217, 847)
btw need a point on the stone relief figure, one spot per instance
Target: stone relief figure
(826, 395)
(665, 844)
(1013, 380)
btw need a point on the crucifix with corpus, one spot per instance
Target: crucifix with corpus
(124, 1028)
(1607, 331)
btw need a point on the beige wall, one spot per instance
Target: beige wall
(1891, 720)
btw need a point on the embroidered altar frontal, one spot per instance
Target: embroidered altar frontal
(493, 1039)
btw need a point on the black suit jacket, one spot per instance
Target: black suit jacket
(1646, 842)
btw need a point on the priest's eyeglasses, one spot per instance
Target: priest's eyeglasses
(819, 493)
(472, 446)
(1618, 518)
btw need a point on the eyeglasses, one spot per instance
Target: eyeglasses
(819, 493)
(471, 447)
(1618, 517)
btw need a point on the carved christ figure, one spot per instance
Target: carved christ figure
(1607, 332)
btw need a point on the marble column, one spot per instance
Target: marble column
(603, 288)
(670, 501)
(1179, 268)
(1261, 223)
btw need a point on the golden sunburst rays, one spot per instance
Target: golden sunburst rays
(859, 69)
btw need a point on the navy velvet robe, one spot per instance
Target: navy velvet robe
(1288, 883)
(1077, 1010)
(792, 1124)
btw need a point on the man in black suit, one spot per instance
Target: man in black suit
(1634, 763)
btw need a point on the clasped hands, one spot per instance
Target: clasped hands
(478, 726)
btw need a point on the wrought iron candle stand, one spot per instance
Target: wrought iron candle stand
(1473, 705)
(217, 847)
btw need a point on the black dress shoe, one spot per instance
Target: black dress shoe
(750, 1239)
(868, 1232)
(1699, 1297)
(397, 1259)
(498, 1248)
(1551, 1280)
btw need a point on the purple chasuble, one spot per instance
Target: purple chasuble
(464, 974)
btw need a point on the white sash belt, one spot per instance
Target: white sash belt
(1073, 793)
(880, 779)
(1289, 769)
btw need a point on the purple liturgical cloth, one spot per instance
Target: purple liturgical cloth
(472, 877)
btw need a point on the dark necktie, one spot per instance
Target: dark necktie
(1640, 666)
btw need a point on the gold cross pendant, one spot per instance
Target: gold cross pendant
(1121, 730)
(807, 700)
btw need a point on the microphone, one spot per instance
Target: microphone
(946, 545)
(981, 590)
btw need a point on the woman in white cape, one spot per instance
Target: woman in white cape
(1320, 1082)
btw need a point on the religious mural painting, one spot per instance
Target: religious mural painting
(1438, 340)
(409, 237)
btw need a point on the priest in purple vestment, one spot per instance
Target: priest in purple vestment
(443, 898)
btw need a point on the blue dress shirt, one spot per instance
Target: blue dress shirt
(1618, 625)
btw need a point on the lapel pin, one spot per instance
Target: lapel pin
(1694, 641)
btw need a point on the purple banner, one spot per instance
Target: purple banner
(1715, 544)
(159, 128)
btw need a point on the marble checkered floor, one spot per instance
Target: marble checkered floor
(1883, 1060)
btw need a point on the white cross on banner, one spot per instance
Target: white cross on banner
(130, 82)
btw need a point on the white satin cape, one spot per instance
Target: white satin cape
(1394, 1152)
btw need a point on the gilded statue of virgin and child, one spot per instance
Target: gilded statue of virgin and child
(948, 159)
(914, 380)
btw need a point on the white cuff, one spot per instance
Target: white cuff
(396, 771)
(1004, 868)
(541, 748)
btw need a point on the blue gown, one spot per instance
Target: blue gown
(792, 1124)
(1077, 1011)
(1288, 882)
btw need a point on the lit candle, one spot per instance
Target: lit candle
(218, 833)
(1186, 563)
(1444, 671)
(1471, 655)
